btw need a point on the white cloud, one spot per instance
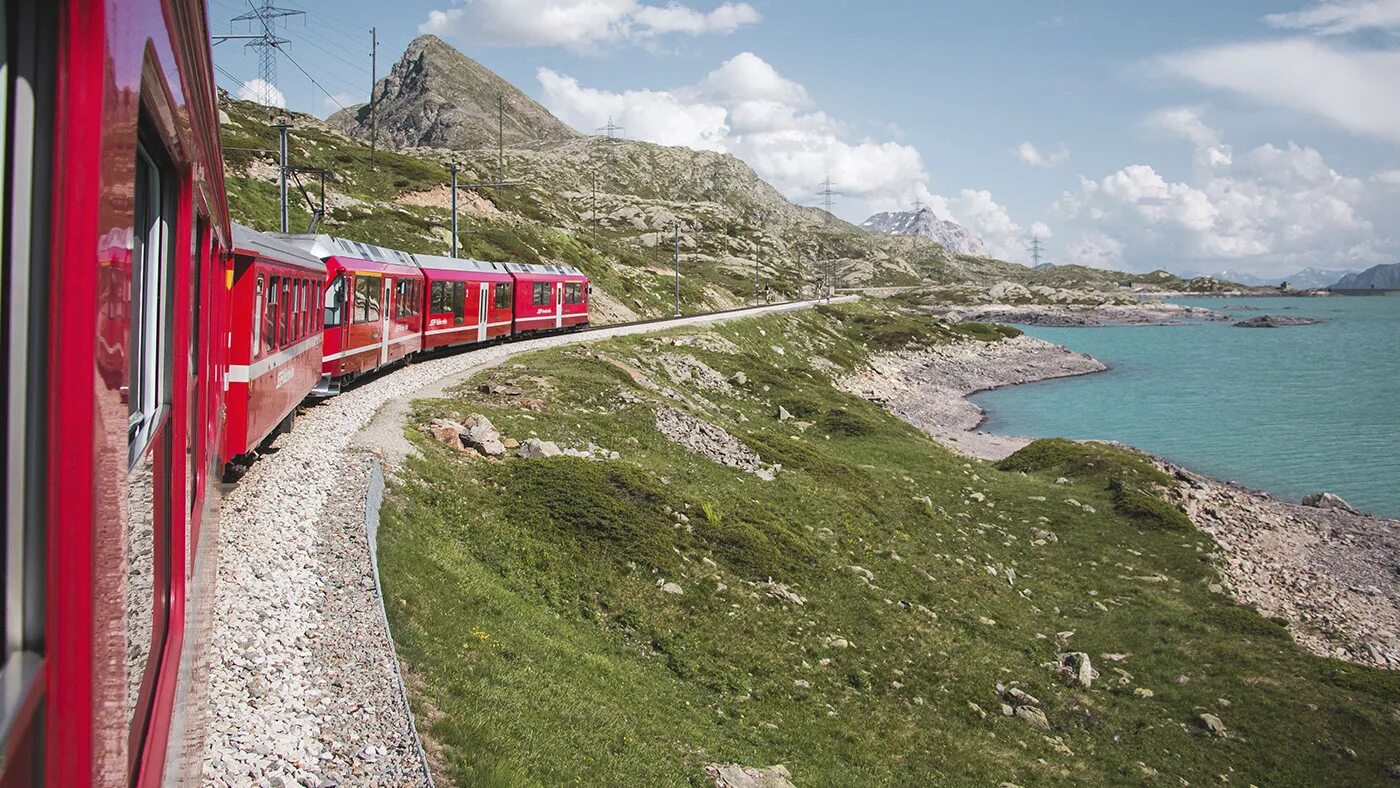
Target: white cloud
(335, 101)
(1353, 89)
(1095, 249)
(1029, 154)
(1272, 205)
(1041, 230)
(1184, 122)
(657, 116)
(262, 92)
(1340, 17)
(580, 25)
(1387, 178)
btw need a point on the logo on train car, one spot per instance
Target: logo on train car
(284, 376)
(437, 321)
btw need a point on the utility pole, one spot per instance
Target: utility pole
(281, 125)
(678, 269)
(453, 169)
(827, 193)
(373, 103)
(1036, 249)
(267, 44)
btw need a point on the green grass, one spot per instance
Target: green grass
(525, 597)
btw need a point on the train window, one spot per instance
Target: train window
(401, 297)
(257, 317)
(367, 299)
(285, 321)
(573, 292)
(437, 298)
(541, 294)
(459, 303)
(335, 302)
(503, 295)
(416, 305)
(270, 315)
(301, 308)
(308, 289)
(149, 443)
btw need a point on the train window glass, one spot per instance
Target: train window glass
(306, 327)
(573, 292)
(335, 302)
(401, 289)
(541, 294)
(257, 316)
(148, 481)
(270, 315)
(459, 303)
(301, 308)
(416, 306)
(367, 299)
(503, 295)
(435, 298)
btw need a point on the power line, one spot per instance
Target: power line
(268, 44)
(329, 95)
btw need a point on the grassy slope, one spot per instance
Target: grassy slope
(524, 597)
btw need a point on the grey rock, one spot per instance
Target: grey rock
(1211, 723)
(1326, 500)
(1077, 669)
(732, 775)
(536, 449)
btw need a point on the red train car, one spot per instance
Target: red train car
(373, 307)
(548, 297)
(275, 318)
(111, 365)
(469, 301)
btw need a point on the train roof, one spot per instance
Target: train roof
(248, 241)
(548, 270)
(465, 264)
(324, 246)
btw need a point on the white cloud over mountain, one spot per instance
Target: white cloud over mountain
(747, 108)
(581, 25)
(263, 92)
(1028, 153)
(1273, 205)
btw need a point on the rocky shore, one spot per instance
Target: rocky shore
(1331, 573)
(929, 388)
(1147, 313)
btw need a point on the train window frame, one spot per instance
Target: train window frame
(436, 292)
(149, 384)
(502, 295)
(573, 292)
(368, 308)
(539, 295)
(284, 323)
(333, 302)
(270, 314)
(258, 291)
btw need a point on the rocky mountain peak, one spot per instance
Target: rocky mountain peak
(953, 236)
(435, 96)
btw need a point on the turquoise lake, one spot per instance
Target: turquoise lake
(1290, 410)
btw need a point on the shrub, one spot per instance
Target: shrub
(1146, 509)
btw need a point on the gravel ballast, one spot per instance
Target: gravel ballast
(303, 678)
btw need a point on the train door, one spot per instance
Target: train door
(558, 304)
(386, 319)
(483, 300)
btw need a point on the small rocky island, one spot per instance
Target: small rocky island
(1275, 321)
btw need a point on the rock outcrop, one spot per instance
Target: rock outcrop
(1275, 321)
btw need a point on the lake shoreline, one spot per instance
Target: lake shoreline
(1329, 573)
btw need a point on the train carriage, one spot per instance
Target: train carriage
(373, 307)
(548, 297)
(469, 301)
(111, 365)
(275, 321)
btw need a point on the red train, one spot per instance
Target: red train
(145, 343)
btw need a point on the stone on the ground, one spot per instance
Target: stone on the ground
(1326, 500)
(672, 588)
(732, 775)
(1211, 723)
(783, 414)
(1034, 716)
(536, 449)
(1077, 669)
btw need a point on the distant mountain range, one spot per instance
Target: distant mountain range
(1299, 280)
(1385, 276)
(953, 236)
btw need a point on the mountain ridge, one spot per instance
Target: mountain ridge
(1384, 276)
(925, 224)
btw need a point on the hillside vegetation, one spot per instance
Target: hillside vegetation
(882, 611)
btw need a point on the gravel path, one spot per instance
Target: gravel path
(303, 678)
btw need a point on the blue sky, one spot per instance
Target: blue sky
(1198, 136)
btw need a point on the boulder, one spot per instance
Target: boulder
(673, 589)
(1077, 669)
(1211, 723)
(536, 449)
(490, 448)
(478, 430)
(1034, 716)
(783, 414)
(504, 389)
(1326, 500)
